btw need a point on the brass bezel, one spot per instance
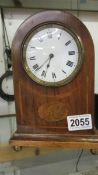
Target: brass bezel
(80, 58)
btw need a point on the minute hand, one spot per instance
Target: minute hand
(49, 58)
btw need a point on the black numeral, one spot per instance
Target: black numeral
(69, 63)
(43, 74)
(67, 43)
(53, 75)
(35, 66)
(72, 123)
(80, 122)
(75, 122)
(32, 58)
(71, 52)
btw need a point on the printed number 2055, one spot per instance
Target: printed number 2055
(79, 122)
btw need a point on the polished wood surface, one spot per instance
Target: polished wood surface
(37, 110)
(55, 144)
(8, 153)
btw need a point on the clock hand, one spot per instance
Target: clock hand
(49, 58)
(48, 65)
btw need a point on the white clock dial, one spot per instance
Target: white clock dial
(52, 55)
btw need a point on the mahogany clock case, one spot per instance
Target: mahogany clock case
(42, 111)
(96, 110)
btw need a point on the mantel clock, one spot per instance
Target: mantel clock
(53, 70)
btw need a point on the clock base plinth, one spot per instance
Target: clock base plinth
(55, 141)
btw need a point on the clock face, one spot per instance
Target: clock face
(52, 55)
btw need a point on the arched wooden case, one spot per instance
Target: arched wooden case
(42, 111)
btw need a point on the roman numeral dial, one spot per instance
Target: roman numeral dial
(52, 55)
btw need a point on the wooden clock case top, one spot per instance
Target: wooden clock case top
(41, 111)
